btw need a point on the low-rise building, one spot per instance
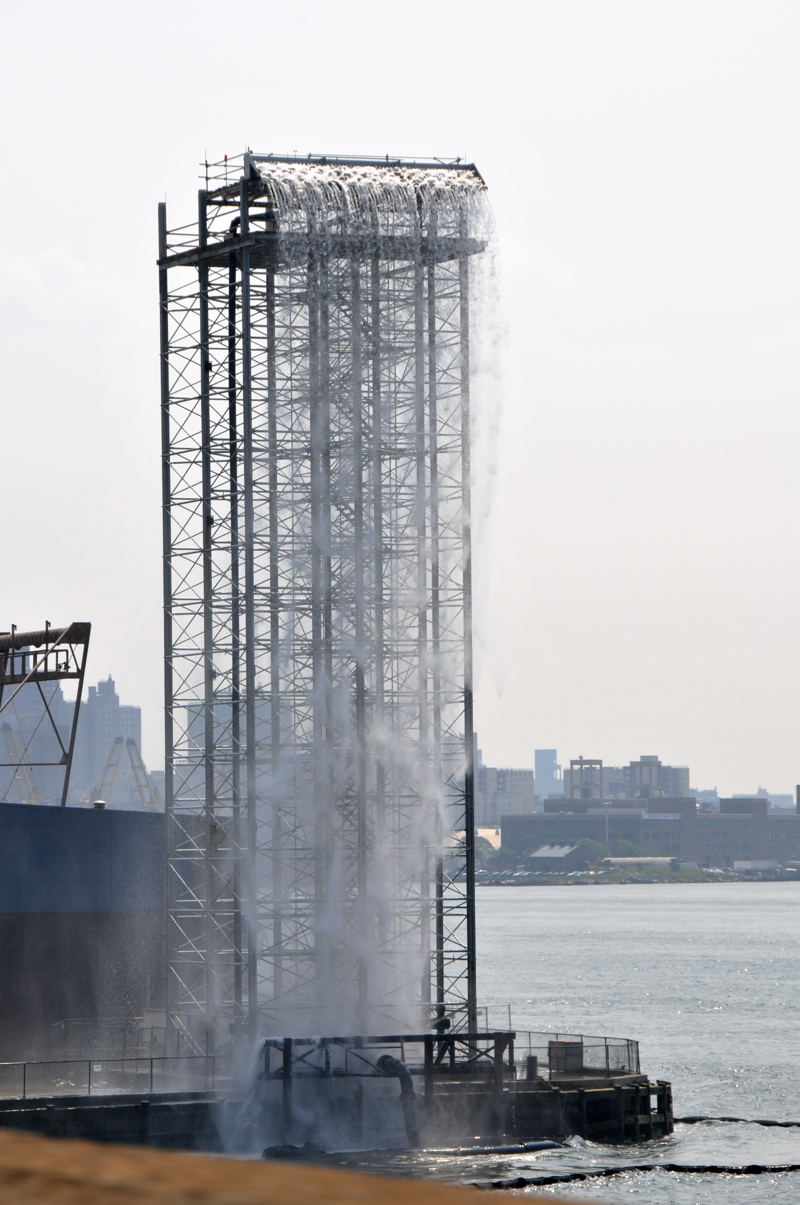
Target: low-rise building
(562, 826)
(784, 838)
(558, 859)
(742, 830)
(738, 832)
(663, 835)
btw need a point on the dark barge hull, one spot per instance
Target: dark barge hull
(624, 1109)
(180, 1120)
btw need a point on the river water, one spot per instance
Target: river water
(704, 976)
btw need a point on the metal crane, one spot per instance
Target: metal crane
(23, 774)
(147, 792)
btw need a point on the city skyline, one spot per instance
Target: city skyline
(136, 727)
(623, 765)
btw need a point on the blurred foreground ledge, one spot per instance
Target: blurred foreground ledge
(75, 1172)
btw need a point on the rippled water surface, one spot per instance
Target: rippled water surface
(705, 977)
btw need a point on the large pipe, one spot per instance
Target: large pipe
(77, 633)
(389, 1065)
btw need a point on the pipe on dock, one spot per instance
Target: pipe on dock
(389, 1065)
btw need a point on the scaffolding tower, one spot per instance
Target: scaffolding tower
(315, 380)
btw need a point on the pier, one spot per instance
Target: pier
(412, 1091)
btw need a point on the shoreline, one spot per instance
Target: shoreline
(636, 880)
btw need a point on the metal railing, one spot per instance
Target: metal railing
(556, 1056)
(518, 1055)
(423, 1053)
(98, 1077)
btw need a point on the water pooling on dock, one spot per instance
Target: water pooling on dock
(704, 976)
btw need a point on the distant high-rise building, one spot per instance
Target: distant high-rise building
(675, 781)
(590, 778)
(647, 778)
(615, 783)
(644, 780)
(547, 773)
(585, 779)
(102, 720)
(501, 792)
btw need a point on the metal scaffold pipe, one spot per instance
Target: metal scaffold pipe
(315, 370)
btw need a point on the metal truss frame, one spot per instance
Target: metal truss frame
(35, 659)
(315, 384)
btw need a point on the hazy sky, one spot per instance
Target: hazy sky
(638, 565)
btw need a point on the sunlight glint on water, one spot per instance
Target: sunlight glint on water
(705, 977)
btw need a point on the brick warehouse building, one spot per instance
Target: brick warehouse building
(742, 830)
